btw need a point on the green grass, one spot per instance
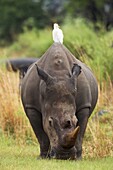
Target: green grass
(22, 157)
(32, 43)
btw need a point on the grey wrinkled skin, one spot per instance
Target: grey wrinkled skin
(59, 94)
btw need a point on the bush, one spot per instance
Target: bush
(32, 43)
(93, 48)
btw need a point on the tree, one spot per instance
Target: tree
(14, 14)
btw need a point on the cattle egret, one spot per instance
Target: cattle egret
(57, 34)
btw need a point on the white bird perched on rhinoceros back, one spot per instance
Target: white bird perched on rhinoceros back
(57, 34)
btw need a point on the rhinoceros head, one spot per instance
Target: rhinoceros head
(58, 106)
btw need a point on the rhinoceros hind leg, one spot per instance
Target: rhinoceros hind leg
(35, 119)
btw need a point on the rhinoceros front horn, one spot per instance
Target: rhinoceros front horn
(70, 138)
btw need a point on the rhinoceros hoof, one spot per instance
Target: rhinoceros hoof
(43, 156)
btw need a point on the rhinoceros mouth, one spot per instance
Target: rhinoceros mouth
(64, 154)
(66, 147)
(69, 139)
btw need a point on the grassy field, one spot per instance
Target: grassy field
(22, 157)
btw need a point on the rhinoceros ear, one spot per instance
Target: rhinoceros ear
(76, 70)
(43, 75)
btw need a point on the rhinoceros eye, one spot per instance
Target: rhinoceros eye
(74, 91)
(50, 121)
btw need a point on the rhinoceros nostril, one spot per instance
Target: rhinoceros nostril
(67, 124)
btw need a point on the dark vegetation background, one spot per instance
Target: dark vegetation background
(15, 15)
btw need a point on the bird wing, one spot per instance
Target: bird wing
(60, 36)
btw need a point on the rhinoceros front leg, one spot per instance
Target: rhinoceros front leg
(35, 119)
(82, 116)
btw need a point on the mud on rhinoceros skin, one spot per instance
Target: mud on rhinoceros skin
(59, 94)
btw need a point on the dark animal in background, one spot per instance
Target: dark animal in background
(20, 65)
(59, 94)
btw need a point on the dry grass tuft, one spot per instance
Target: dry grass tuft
(12, 118)
(98, 140)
